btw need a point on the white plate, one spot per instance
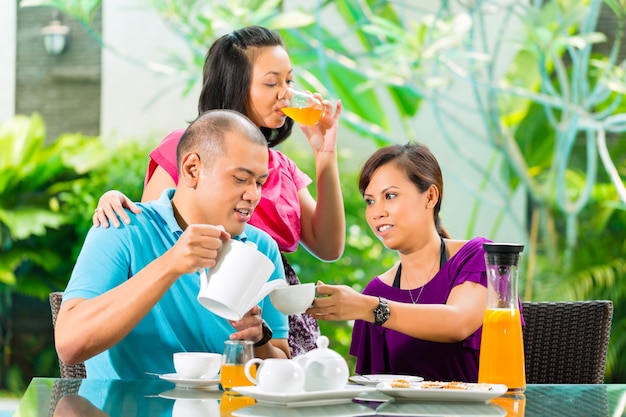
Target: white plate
(191, 394)
(416, 392)
(373, 380)
(456, 409)
(336, 410)
(198, 383)
(305, 398)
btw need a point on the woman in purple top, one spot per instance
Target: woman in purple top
(424, 315)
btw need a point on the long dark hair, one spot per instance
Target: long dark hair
(419, 165)
(227, 75)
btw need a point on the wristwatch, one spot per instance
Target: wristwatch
(381, 313)
(267, 335)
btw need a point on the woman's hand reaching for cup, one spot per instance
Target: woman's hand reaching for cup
(111, 209)
(341, 302)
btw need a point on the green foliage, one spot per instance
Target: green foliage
(125, 171)
(35, 228)
(33, 223)
(48, 193)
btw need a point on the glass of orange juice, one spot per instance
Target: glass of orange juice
(303, 107)
(236, 354)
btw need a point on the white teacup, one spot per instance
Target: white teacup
(293, 299)
(238, 281)
(193, 365)
(276, 375)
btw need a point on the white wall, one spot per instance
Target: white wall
(8, 24)
(137, 102)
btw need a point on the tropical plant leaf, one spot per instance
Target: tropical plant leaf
(26, 221)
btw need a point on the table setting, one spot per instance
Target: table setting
(317, 383)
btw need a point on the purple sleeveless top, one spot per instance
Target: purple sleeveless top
(380, 350)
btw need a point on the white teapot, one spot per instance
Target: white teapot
(324, 368)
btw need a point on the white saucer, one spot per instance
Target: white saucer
(198, 383)
(374, 379)
(305, 398)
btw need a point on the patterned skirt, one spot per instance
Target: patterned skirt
(303, 328)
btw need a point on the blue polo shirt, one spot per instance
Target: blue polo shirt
(178, 322)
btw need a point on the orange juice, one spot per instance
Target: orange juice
(304, 115)
(230, 403)
(514, 405)
(232, 375)
(502, 349)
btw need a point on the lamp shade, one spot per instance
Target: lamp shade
(55, 37)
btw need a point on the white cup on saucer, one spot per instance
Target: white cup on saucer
(194, 365)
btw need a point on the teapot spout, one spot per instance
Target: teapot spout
(267, 288)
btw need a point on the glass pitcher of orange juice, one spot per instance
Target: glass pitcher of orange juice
(502, 346)
(513, 404)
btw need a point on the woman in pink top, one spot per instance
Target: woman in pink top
(249, 70)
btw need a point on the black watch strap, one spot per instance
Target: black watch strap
(267, 335)
(381, 313)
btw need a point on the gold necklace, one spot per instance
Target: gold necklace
(421, 289)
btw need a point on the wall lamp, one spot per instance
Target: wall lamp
(55, 36)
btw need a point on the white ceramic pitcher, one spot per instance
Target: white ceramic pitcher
(238, 280)
(276, 375)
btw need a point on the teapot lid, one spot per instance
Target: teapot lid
(322, 351)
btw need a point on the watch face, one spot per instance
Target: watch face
(381, 313)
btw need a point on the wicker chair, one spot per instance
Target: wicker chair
(566, 342)
(67, 371)
(60, 389)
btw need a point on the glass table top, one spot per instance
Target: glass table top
(120, 398)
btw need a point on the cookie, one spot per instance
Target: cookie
(400, 383)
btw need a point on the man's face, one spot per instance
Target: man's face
(230, 188)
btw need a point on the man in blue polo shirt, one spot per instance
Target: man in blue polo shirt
(131, 301)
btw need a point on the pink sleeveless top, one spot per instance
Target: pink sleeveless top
(278, 212)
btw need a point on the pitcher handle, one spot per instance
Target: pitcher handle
(246, 369)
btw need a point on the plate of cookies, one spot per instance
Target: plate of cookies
(403, 389)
